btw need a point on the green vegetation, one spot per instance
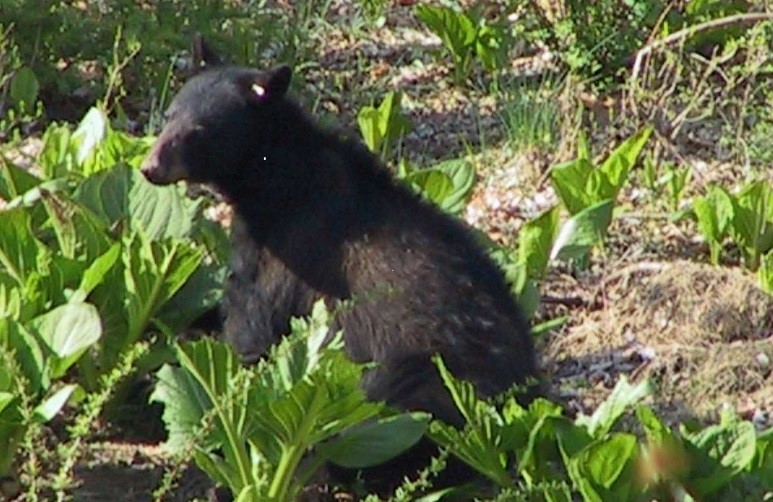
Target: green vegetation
(101, 271)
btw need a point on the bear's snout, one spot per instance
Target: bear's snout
(162, 165)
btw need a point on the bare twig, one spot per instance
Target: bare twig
(681, 35)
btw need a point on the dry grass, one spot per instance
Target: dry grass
(703, 334)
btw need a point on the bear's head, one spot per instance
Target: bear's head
(217, 122)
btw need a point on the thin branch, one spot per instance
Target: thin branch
(681, 35)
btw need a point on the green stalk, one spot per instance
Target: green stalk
(293, 454)
(240, 454)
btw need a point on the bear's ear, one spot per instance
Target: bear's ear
(271, 84)
(203, 55)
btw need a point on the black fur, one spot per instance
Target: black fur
(318, 216)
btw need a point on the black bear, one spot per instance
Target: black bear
(316, 215)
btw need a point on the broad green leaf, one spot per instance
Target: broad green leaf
(392, 123)
(27, 353)
(310, 390)
(603, 470)
(719, 453)
(188, 392)
(384, 125)
(58, 156)
(24, 89)
(68, 331)
(97, 271)
(6, 398)
(623, 396)
(535, 241)
(373, 443)
(90, 133)
(752, 225)
(580, 185)
(737, 448)
(462, 176)
(604, 461)
(118, 148)
(63, 276)
(455, 29)
(570, 180)
(654, 428)
(480, 443)
(435, 185)
(528, 298)
(15, 181)
(153, 273)
(582, 231)
(542, 452)
(46, 410)
(202, 292)
(714, 213)
(368, 120)
(79, 235)
(622, 159)
(447, 184)
(185, 403)
(123, 194)
(572, 439)
(305, 391)
(18, 247)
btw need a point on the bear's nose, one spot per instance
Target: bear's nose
(150, 167)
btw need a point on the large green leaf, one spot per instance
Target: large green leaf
(455, 29)
(373, 443)
(266, 418)
(6, 398)
(97, 271)
(620, 162)
(623, 397)
(720, 452)
(123, 194)
(15, 181)
(479, 445)
(24, 89)
(90, 133)
(187, 392)
(79, 233)
(46, 410)
(382, 126)
(447, 184)
(535, 240)
(18, 247)
(752, 227)
(570, 180)
(28, 353)
(152, 273)
(582, 231)
(714, 213)
(603, 469)
(68, 331)
(201, 293)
